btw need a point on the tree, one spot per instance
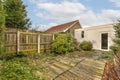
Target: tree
(2, 27)
(16, 15)
(116, 46)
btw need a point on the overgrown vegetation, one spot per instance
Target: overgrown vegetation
(113, 70)
(17, 69)
(86, 45)
(116, 46)
(62, 44)
(21, 54)
(107, 55)
(2, 28)
(36, 66)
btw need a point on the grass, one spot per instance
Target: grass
(107, 56)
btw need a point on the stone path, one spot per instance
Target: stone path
(74, 69)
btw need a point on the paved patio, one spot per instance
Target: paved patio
(74, 69)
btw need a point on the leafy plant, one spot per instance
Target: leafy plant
(2, 28)
(17, 69)
(21, 54)
(116, 47)
(62, 44)
(107, 55)
(86, 45)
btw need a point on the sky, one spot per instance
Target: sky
(47, 13)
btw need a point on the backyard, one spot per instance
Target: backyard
(27, 53)
(77, 65)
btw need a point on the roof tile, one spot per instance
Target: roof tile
(60, 28)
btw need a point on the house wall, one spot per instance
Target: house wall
(72, 29)
(93, 34)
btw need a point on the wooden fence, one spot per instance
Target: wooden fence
(27, 41)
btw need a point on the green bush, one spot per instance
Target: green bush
(115, 49)
(86, 46)
(62, 44)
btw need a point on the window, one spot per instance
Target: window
(82, 34)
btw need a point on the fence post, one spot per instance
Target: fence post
(38, 43)
(27, 37)
(18, 42)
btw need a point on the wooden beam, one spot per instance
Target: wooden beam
(38, 43)
(18, 42)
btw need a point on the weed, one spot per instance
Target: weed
(17, 69)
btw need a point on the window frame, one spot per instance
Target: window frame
(82, 34)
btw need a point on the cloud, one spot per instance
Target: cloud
(90, 18)
(60, 11)
(38, 1)
(66, 10)
(116, 2)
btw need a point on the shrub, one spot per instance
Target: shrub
(86, 45)
(62, 44)
(115, 49)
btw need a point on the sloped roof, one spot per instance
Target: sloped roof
(61, 28)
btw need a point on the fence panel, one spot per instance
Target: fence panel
(45, 40)
(11, 42)
(27, 41)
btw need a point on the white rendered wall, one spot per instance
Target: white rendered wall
(93, 34)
